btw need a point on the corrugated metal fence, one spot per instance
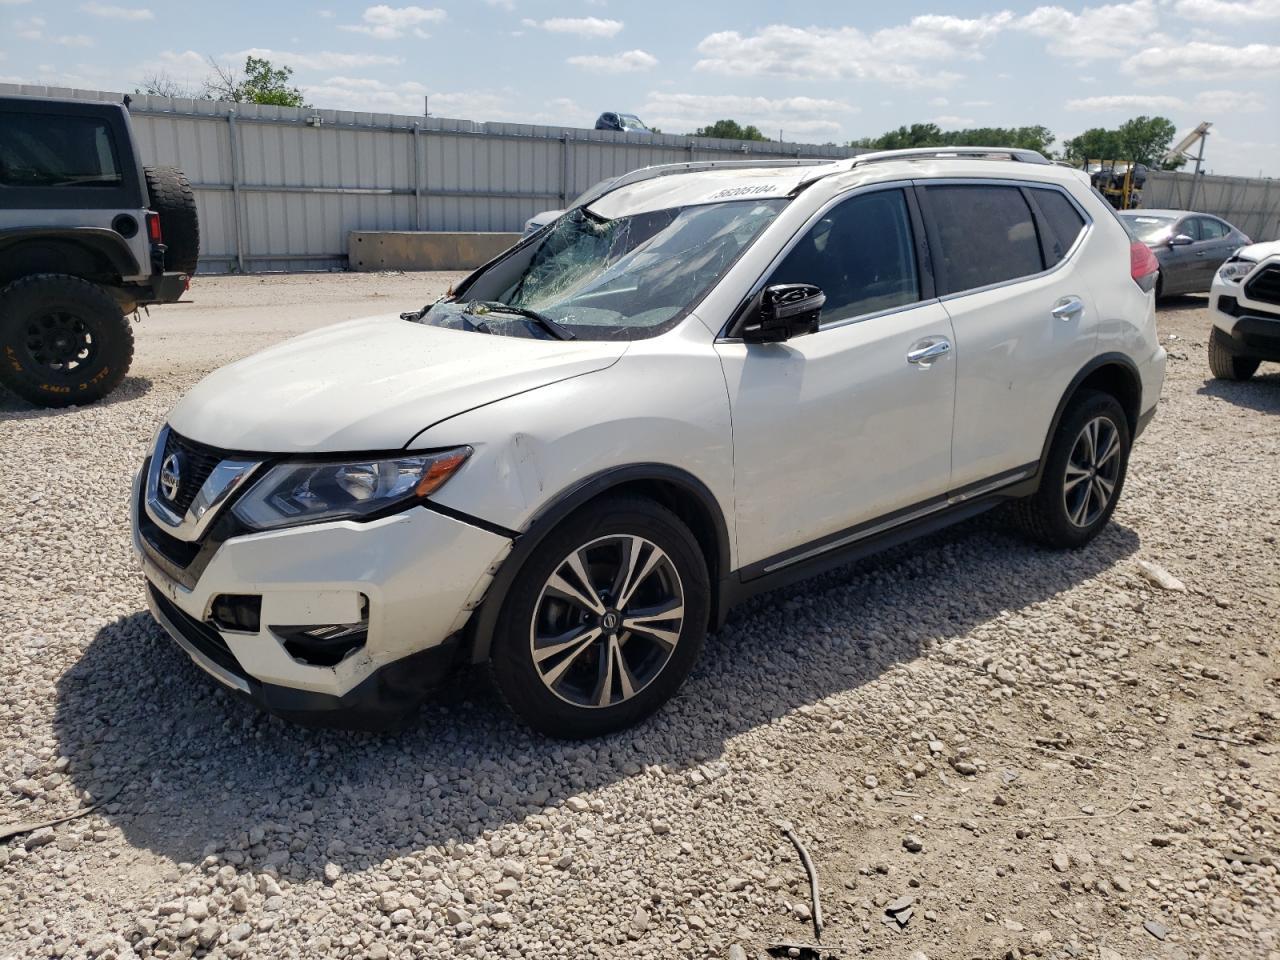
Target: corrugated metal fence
(1252, 205)
(279, 188)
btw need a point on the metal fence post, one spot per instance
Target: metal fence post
(417, 176)
(564, 171)
(235, 191)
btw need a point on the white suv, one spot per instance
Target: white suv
(1245, 306)
(703, 381)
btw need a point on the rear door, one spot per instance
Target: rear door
(1006, 258)
(1215, 246)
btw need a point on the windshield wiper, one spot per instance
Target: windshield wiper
(557, 330)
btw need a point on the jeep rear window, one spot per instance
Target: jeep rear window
(39, 150)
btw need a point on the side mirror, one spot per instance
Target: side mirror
(1180, 240)
(783, 311)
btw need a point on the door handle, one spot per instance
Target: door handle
(927, 351)
(1068, 308)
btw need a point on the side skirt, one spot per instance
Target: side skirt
(871, 537)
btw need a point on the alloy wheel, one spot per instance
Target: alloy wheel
(607, 621)
(1093, 469)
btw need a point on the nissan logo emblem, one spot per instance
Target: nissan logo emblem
(171, 476)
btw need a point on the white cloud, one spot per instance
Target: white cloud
(390, 23)
(950, 120)
(12, 3)
(30, 29)
(796, 116)
(1095, 33)
(1227, 11)
(327, 14)
(1232, 100)
(1201, 61)
(976, 103)
(580, 26)
(186, 60)
(939, 102)
(631, 61)
(906, 55)
(73, 40)
(1126, 101)
(319, 60)
(110, 12)
(502, 4)
(406, 97)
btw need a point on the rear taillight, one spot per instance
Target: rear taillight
(1143, 265)
(153, 228)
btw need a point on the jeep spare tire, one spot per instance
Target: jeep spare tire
(63, 340)
(171, 197)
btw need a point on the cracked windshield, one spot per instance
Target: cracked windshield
(594, 278)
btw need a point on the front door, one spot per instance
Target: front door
(849, 423)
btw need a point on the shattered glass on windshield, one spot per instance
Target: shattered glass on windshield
(625, 278)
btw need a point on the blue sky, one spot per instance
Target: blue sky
(814, 71)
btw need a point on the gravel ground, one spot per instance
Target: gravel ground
(1049, 754)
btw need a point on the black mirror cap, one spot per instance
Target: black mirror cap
(783, 311)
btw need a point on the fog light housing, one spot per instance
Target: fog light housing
(237, 612)
(325, 644)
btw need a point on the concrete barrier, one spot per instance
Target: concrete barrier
(413, 250)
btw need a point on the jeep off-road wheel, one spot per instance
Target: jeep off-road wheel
(172, 199)
(63, 340)
(1224, 364)
(1083, 475)
(604, 621)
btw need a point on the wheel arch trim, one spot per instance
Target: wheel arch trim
(481, 626)
(96, 240)
(1103, 360)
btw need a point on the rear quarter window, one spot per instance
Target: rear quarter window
(1062, 220)
(47, 150)
(986, 234)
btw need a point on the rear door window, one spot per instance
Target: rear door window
(985, 234)
(1211, 229)
(43, 150)
(1062, 219)
(861, 254)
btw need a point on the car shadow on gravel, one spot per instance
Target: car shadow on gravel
(202, 770)
(13, 407)
(1261, 392)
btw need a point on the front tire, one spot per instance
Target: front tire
(1083, 475)
(1226, 365)
(63, 340)
(604, 621)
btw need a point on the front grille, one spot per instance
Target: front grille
(197, 461)
(200, 635)
(1265, 284)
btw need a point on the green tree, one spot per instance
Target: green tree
(730, 130)
(931, 135)
(1143, 139)
(262, 82)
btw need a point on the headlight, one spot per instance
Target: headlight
(293, 493)
(1235, 269)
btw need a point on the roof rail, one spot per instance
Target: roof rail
(924, 153)
(667, 169)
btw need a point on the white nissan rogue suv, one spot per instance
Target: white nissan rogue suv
(702, 381)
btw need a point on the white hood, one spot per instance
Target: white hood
(371, 384)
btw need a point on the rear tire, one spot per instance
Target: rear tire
(584, 667)
(173, 200)
(1226, 365)
(63, 340)
(1083, 475)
